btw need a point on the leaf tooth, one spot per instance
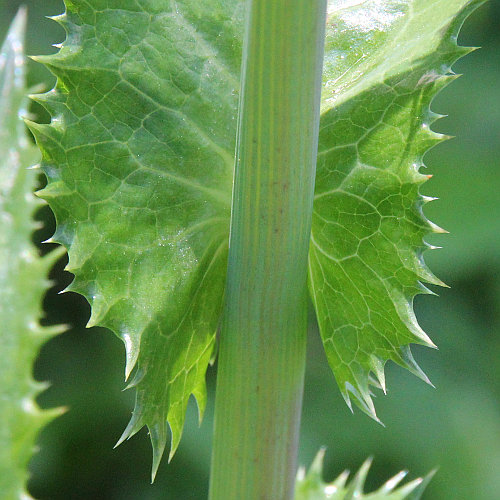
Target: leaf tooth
(429, 246)
(57, 329)
(46, 332)
(374, 383)
(425, 274)
(301, 474)
(44, 416)
(200, 396)
(36, 386)
(411, 365)
(317, 465)
(428, 199)
(356, 486)
(176, 417)
(315, 476)
(425, 290)
(74, 286)
(61, 234)
(52, 413)
(347, 399)
(46, 60)
(431, 136)
(462, 51)
(71, 268)
(421, 178)
(362, 397)
(39, 130)
(436, 229)
(51, 103)
(215, 350)
(53, 190)
(41, 98)
(158, 434)
(443, 81)
(131, 351)
(38, 335)
(136, 380)
(59, 62)
(421, 337)
(390, 484)
(377, 366)
(407, 315)
(341, 480)
(135, 424)
(422, 484)
(61, 19)
(407, 489)
(99, 308)
(49, 60)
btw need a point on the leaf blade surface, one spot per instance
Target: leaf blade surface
(23, 275)
(384, 63)
(139, 158)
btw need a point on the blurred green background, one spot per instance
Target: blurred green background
(455, 427)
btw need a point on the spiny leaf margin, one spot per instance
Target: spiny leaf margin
(81, 38)
(23, 275)
(139, 160)
(384, 63)
(311, 486)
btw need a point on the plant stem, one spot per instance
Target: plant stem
(263, 337)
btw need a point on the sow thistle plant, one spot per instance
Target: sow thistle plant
(211, 165)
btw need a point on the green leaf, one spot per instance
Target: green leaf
(139, 161)
(384, 63)
(23, 275)
(311, 486)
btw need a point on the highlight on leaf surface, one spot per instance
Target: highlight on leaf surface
(23, 275)
(311, 486)
(139, 160)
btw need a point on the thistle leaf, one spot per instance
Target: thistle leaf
(311, 486)
(23, 275)
(384, 63)
(139, 161)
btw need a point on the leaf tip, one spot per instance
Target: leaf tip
(158, 435)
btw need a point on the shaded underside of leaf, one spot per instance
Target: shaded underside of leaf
(311, 486)
(23, 275)
(139, 161)
(384, 63)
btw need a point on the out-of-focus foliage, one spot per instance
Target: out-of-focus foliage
(455, 427)
(311, 486)
(23, 274)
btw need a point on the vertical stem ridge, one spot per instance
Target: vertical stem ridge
(263, 337)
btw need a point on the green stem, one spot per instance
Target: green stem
(263, 337)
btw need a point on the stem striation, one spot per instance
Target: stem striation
(264, 327)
